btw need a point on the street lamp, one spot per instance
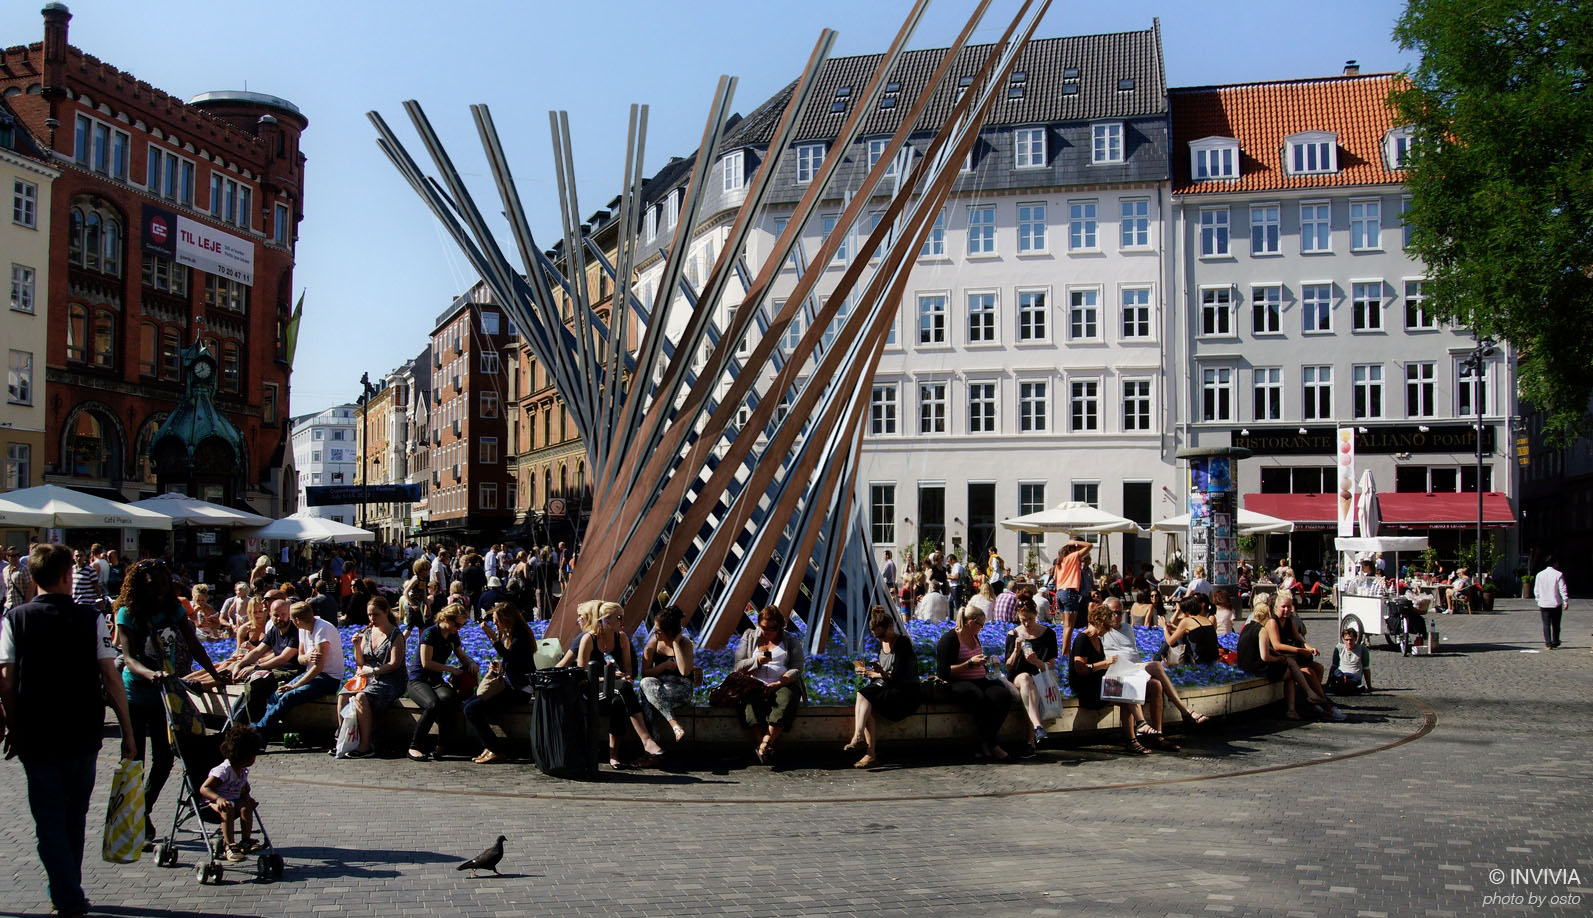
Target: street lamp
(365, 452)
(1474, 365)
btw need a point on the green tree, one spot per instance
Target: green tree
(1501, 183)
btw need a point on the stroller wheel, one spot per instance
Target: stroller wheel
(166, 856)
(275, 861)
(262, 867)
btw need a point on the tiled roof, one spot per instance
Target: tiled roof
(1261, 115)
(1101, 60)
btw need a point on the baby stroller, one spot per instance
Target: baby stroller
(1403, 625)
(197, 752)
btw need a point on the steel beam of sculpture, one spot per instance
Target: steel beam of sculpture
(719, 514)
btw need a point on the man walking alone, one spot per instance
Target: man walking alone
(1552, 596)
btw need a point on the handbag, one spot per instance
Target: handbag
(124, 816)
(464, 681)
(1050, 691)
(735, 691)
(493, 682)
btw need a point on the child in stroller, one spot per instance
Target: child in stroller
(226, 790)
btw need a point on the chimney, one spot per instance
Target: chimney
(1351, 68)
(56, 16)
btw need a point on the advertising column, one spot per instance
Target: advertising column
(1214, 512)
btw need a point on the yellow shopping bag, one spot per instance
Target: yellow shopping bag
(124, 818)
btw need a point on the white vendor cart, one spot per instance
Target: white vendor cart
(1373, 614)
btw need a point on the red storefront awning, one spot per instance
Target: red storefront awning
(1448, 510)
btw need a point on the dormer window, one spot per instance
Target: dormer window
(1214, 159)
(1018, 84)
(735, 170)
(1396, 147)
(1311, 153)
(1106, 142)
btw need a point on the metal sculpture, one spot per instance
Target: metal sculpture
(715, 513)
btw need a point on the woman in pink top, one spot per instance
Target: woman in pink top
(1068, 572)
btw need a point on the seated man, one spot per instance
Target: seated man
(321, 650)
(1351, 670)
(272, 661)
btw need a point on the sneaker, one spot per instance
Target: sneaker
(1337, 716)
(234, 854)
(253, 845)
(1039, 735)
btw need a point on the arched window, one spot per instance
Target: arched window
(564, 484)
(170, 346)
(148, 349)
(580, 479)
(547, 483)
(88, 450)
(104, 338)
(111, 260)
(94, 238)
(231, 368)
(77, 333)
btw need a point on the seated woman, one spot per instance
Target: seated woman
(1224, 616)
(427, 687)
(206, 619)
(1351, 670)
(667, 668)
(603, 638)
(774, 657)
(984, 597)
(1285, 634)
(960, 662)
(1146, 607)
(1263, 661)
(892, 688)
(246, 637)
(1087, 670)
(379, 652)
(1031, 648)
(1194, 626)
(1121, 642)
(517, 650)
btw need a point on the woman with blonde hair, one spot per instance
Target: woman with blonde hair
(427, 687)
(960, 662)
(603, 638)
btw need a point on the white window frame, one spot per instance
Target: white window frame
(1366, 224)
(1028, 147)
(1216, 236)
(935, 243)
(25, 203)
(989, 313)
(887, 526)
(489, 363)
(884, 416)
(1416, 299)
(19, 378)
(809, 156)
(1216, 312)
(488, 452)
(1366, 306)
(1034, 406)
(1214, 159)
(1366, 382)
(1311, 153)
(1141, 303)
(1267, 385)
(1031, 228)
(932, 405)
(1107, 143)
(984, 406)
(1139, 406)
(1266, 225)
(1396, 147)
(1217, 394)
(1320, 227)
(1466, 389)
(1266, 309)
(1421, 388)
(1308, 315)
(1084, 404)
(733, 168)
(932, 308)
(1029, 311)
(1084, 225)
(23, 292)
(981, 231)
(1084, 314)
(1134, 232)
(487, 495)
(827, 224)
(1315, 380)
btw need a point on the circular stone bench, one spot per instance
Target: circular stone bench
(822, 726)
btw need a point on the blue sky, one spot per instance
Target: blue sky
(376, 269)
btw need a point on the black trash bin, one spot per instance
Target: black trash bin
(560, 724)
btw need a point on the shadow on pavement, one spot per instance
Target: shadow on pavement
(325, 863)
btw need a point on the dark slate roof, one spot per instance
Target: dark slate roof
(1101, 60)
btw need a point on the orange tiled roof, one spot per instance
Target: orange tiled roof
(1261, 115)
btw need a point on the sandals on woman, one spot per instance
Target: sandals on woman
(1135, 747)
(1163, 743)
(855, 745)
(867, 761)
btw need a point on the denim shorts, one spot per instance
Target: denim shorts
(1067, 600)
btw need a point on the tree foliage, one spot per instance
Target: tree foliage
(1501, 183)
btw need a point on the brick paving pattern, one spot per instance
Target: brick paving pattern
(1414, 830)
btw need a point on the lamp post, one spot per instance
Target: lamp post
(1474, 366)
(365, 451)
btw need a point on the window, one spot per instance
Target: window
(268, 403)
(1032, 316)
(170, 354)
(882, 411)
(1214, 158)
(1396, 147)
(1405, 226)
(1028, 144)
(1264, 229)
(981, 318)
(489, 363)
(734, 165)
(1136, 312)
(1316, 304)
(650, 224)
(982, 407)
(1314, 236)
(1084, 315)
(1366, 218)
(77, 333)
(231, 368)
(1136, 404)
(491, 322)
(1106, 142)
(94, 237)
(19, 378)
(1081, 226)
(169, 277)
(827, 223)
(101, 148)
(932, 408)
(1216, 394)
(1421, 380)
(489, 404)
(1216, 311)
(104, 338)
(1468, 390)
(932, 319)
(1031, 499)
(1267, 387)
(935, 243)
(1311, 153)
(981, 230)
(808, 158)
(1031, 227)
(1367, 306)
(1367, 385)
(22, 288)
(876, 149)
(1317, 383)
(489, 450)
(488, 491)
(225, 294)
(1136, 224)
(170, 176)
(882, 513)
(148, 350)
(1084, 405)
(281, 224)
(1266, 310)
(1416, 314)
(19, 458)
(24, 203)
(339, 435)
(1034, 406)
(1213, 231)
(793, 333)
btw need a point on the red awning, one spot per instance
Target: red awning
(1448, 510)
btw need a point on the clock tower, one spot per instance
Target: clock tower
(197, 450)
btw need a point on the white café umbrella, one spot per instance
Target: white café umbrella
(303, 528)
(1250, 523)
(1367, 512)
(16, 516)
(69, 509)
(191, 511)
(1072, 516)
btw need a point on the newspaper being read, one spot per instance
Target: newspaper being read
(1124, 683)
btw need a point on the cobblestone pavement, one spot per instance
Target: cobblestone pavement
(1370, 817)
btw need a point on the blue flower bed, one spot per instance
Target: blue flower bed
(829, 676)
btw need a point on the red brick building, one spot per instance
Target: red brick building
(472, 495)
(172, 223)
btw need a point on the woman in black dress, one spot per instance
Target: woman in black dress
(892, 689)
(1087, 669)
(1193, 624)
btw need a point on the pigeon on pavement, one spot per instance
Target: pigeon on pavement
(486, 860)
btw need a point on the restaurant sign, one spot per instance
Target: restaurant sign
(1320, 441)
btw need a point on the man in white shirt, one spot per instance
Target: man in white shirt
(321, 652)
(1553, 598)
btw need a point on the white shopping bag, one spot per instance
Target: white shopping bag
(348, 733)
(1124, 683)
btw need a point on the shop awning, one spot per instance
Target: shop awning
(1448, 510)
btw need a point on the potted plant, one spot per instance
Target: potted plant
(1488, 590)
